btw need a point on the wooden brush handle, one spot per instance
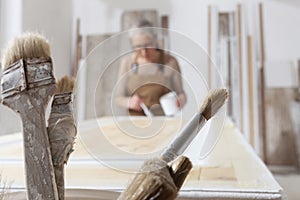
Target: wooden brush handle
(179, 169)
(157, 180)
(153, 181)
(60, 180)
(61, 131)
(31, 105)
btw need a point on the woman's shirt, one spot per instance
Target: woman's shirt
(169, 69)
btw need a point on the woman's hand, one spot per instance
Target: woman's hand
(135, 102)
(181, 100)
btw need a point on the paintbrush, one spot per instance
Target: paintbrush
(27, 85)
(147, 112)
(158, 180)
(62, 130)
(157, 177)
(213, 102)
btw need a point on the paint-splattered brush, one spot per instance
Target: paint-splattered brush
(27, 86)
(213, 102)
(62, 130)
(161, 178)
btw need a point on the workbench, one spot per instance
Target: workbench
(106, 156)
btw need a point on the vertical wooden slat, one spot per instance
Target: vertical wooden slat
(31, 105)
(77, 48)
(299, 76)
(250, 91)
(297, 140)
(229, 107)
(240, 66)
(165, 21)
(262, 85)
(165, 26)
(209, 47)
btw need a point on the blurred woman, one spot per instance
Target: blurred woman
(147, 73)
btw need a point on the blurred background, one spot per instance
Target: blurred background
(253, 44)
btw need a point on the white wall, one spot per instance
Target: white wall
(282, 43)
(10, 13)
(54, 20)
(282, 31)
(51, 18)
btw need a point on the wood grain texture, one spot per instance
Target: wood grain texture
(250, 91)
(78, 48)
(153, 181)
(59, 172)
(131, 18)
(280, 131)
(31, 105)
(142, 134)
(262, 120)
(232, 170)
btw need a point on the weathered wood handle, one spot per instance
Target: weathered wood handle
(31, 106)
(62, 132)
(157, 180)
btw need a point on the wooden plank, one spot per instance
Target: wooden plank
(296, 115)
(218, 173)
(165, 25)
(298, 99)
(229, 70)
(31, 105)
(78, 48)
(165, 22)
(241, 88)
(100, 86)
(280, 131)
(250, 91)
(232, 167)
(131, 18)
(262, 120)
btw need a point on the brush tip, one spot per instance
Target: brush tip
(26, 45)
(213, 102)
(65, 85)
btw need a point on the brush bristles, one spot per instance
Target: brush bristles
(213, 102)
(65, 85)
(27, 45)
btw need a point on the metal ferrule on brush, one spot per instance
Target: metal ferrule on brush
(184, 138)
(62, 103)
(26, 74)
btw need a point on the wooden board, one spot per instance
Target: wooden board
(250, 90)
(280, 131)
(131, 18)
(140, 138)
(232, 170)
(262, 106)
(99, 86)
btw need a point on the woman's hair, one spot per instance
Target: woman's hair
(143, 26)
